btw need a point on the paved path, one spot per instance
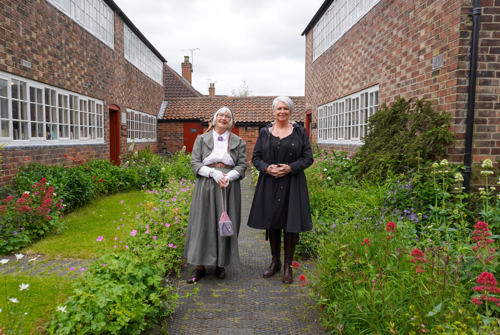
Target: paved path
(244, 303)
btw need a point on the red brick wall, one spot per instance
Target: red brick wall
(64, 55)
(393, 46)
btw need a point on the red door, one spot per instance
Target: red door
(114, 134)
(308, 122)
(236, 130)
(191, 131)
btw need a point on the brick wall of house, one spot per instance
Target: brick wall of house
(394, 45)
(65, 55)
(170, 136)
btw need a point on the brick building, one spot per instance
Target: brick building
(77, 81)
(185, 118)
(360, 54)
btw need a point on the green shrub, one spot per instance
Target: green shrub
(28, 218)
(124, 292)
(401, 137)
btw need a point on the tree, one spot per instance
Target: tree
(243, 91)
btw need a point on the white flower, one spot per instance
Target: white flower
(459, 177)
(443, 163)
(435, 165)
(329, 178)
(487, 164)
(23, 287)
(61, 309)
(19, 256)
(26, 192)
(4, 261)
(14, 300)
(325, 170)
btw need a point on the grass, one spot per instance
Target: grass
(83, 226)
(38, 301)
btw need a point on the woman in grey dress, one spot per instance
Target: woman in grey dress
(281, 200)
(219, 161)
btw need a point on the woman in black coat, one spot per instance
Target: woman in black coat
(281, 199)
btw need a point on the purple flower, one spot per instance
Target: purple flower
(133, 232)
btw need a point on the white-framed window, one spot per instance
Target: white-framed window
(93, 15)
(345, 120)
(33, 113)
(336, 21)
(137, 53)
(141, 127)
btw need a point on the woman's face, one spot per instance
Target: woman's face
(281, 112)
(222, 121)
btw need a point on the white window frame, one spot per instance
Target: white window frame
(54, 117)
(345, 120)
(137, 53)
(95, 16)
(336, 21)
(141, 127)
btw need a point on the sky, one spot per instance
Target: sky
(230, 42)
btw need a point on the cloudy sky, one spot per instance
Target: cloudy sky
(232, 41)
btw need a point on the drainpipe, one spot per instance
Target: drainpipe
(476, 18)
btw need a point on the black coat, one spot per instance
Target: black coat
(298, 213)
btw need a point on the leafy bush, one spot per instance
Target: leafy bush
(28, 218)
(418, 274)
(402, 136)
(124, 292)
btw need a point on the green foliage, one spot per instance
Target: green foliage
(370, 278)
(124, 291)
(28, 218)
(117, 296)
(401, 136)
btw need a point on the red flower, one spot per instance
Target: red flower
(418, 260)
(366, 241)
(302, 278)
(295, 265)
(391, 227)
(488, 285)
(100, 180)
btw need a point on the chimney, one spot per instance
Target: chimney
(211, 90)
(187, 68)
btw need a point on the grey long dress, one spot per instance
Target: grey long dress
(203, 245)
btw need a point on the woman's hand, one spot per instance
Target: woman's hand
(279, 170)
(224, 181)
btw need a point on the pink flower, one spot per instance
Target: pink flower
(72, 268)
(100, 238)
(154, 237)
(133, 232)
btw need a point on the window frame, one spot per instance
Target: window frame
(53, 115)
(345, 120)
(140, 124)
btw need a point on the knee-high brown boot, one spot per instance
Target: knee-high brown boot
(290, 242)
(275, 242)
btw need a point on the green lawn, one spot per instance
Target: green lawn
(39, 301)
(83, 226)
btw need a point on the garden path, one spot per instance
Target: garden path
(244, 303)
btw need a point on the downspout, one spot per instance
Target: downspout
(476, 18)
